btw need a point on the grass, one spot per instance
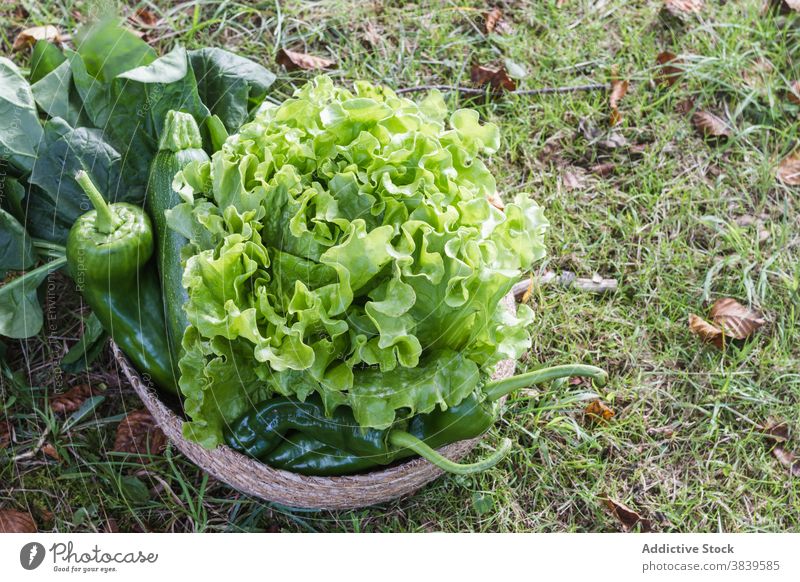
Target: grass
(678, 221)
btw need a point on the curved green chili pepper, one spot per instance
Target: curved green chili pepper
(337, 445)
(108, 250)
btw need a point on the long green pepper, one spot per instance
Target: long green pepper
(108, 256)
(299, 437)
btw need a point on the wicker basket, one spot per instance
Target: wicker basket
(260, 480)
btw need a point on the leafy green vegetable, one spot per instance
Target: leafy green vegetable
(16, 251)
(20, 130)
(86, 350)
(231, 86)
(55, 95)
(64, 152)
(20, 313)
(45, 58)
(107, 50)
(344, 244)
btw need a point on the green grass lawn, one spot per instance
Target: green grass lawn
(678, 221)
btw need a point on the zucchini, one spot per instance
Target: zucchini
(180, 144)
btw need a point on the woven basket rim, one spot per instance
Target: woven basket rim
(290, 489)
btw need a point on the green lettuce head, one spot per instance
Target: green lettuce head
(343, 243)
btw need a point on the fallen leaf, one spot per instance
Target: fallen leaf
(789, 169)
(603, 170)
(783, 6)
(528, 292)
(619, 88)
(669, 72)
(49, 450)
(707, 332)
(598, 410)
(71, 400)
(776, 430)
(682, 7)
(29, 36)
(794, 93)
(492, 18)
(571, 180)
(788, 460)
(710, 126)
(684, 106)
(293, 60)
(13, 521)
(498, 78)
(138, 434)
(371, 34)
(495, 201)
(145, 16)
(626, 516)
(734, 319)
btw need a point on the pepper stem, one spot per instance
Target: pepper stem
(499, 388)
(404, 440)
(106, 221)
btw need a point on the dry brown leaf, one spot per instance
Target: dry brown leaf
(776, 430)
(681, 7)
(734, 319)
(49, 450)
(626, 516)
(494, 16)
(782, 6)
(710, 126)
(13, 521)
(5, 432)
(528, 292)
(789, 169)
(669, 70)
(603, 170)
(793, 94)
(788, 460)
(145, 16)
(707, 332)
(495, 201)
(138, 434)
(598, 410)
(29, 36)
(294, 60)
(571, 180)
(71, 400)
(371, 34)
(498, 78)
(619, 87)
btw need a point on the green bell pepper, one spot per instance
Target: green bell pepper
(108, 253)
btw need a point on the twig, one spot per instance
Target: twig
(30, 453)
(474, 91)
(594, 285)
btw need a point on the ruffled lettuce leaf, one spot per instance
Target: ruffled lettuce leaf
(344, 244)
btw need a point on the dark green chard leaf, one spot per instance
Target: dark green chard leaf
(231, 86)
(12, 194)
(107, 50)
(65, 151)
(20, 130)
(45, 58)
(131, 108)
(20, 313)
(88, 347)
(56, 95)
(16, 251)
